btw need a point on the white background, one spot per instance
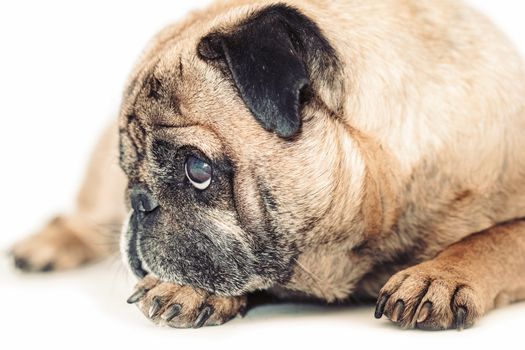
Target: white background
(62, 68)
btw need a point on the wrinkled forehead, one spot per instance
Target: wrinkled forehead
(153, 103)
(178, 90)
(179, 99)
(159, 86)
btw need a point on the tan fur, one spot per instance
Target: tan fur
(418, 147)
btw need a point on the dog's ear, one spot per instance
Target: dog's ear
(273, 57)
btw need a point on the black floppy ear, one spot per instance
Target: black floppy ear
(268, 58)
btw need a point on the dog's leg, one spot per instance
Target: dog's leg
(471, 277)
(177, 306)
(91, 232)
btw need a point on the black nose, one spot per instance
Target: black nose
(142, 200)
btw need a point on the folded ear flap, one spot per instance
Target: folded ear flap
(267, 57)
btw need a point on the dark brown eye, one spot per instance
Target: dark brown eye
(198, 172)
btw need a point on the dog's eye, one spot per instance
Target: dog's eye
(198, 172)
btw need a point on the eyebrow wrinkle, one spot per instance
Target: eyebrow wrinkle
(133, 128)
(159, 127)
(181, 69)
(154, 85)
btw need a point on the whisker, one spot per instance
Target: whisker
(314, 278)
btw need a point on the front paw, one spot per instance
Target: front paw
(169, 304)
(56, 247)
(431, 297)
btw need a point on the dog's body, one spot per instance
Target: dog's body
(405, 159)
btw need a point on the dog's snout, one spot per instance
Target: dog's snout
(142, 200)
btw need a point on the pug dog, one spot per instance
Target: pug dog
(312, 149)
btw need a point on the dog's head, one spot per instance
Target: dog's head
(229, 141)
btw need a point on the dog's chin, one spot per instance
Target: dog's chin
(252, 284)
(220, 282)
(137, 263)
(193, 259)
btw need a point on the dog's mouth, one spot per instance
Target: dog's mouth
(135, 263)
(130, 250)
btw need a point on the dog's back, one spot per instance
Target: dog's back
(443, 91)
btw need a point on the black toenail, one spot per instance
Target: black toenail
(398, 311)
(156, 304)
(172, 312)
(21, 263)
(137, 296)
(48, 267)
(203, 317)
(461, 316)
(380, 306)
